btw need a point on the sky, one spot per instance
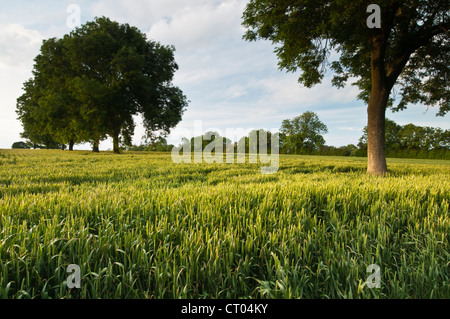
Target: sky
(231, 83)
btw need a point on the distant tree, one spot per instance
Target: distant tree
(410, 49)
(412, 137)
(158, 144)
(303, 134)
(328, 150)
(347, 150)
(410, 140)
(423, 138)
(392, 136)
(20, 145)
(441, 139)
(257, 136)
(210, 139)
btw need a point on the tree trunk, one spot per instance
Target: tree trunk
(116, 148)
(95, 147)
(376, 156)
(71, 144)
(376, 111)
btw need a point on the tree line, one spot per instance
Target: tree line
(89, 85)
(407, 141)
(303, 135)
(411, 141)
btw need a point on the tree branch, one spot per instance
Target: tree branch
(421, 38)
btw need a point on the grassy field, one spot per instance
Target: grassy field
(140, 226)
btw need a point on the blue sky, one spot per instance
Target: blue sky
(231, 83)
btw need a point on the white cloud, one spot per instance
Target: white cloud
(235, 91)
(140, 13)
(351, 129)
(179, 22)
(223, 60)
(285, 90)
(18, 46)
(200, 25)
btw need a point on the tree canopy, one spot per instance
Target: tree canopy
(303, 134)
(89, 84)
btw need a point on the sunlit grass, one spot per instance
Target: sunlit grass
(140, 226)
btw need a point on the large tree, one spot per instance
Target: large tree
(410, 49)
(121, 74)
(92, 82)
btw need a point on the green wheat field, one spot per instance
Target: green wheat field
(140, 226)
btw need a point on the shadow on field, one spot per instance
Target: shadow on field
(34, 189)
(318, 168)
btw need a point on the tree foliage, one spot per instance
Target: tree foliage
(20, 145)
(210, 140)
(412, 141)
(255, 141)
(303, 134)
(92, 82)
(159, 144)
(306, 32)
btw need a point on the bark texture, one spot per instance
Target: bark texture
(95, 147)
(376, 110)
